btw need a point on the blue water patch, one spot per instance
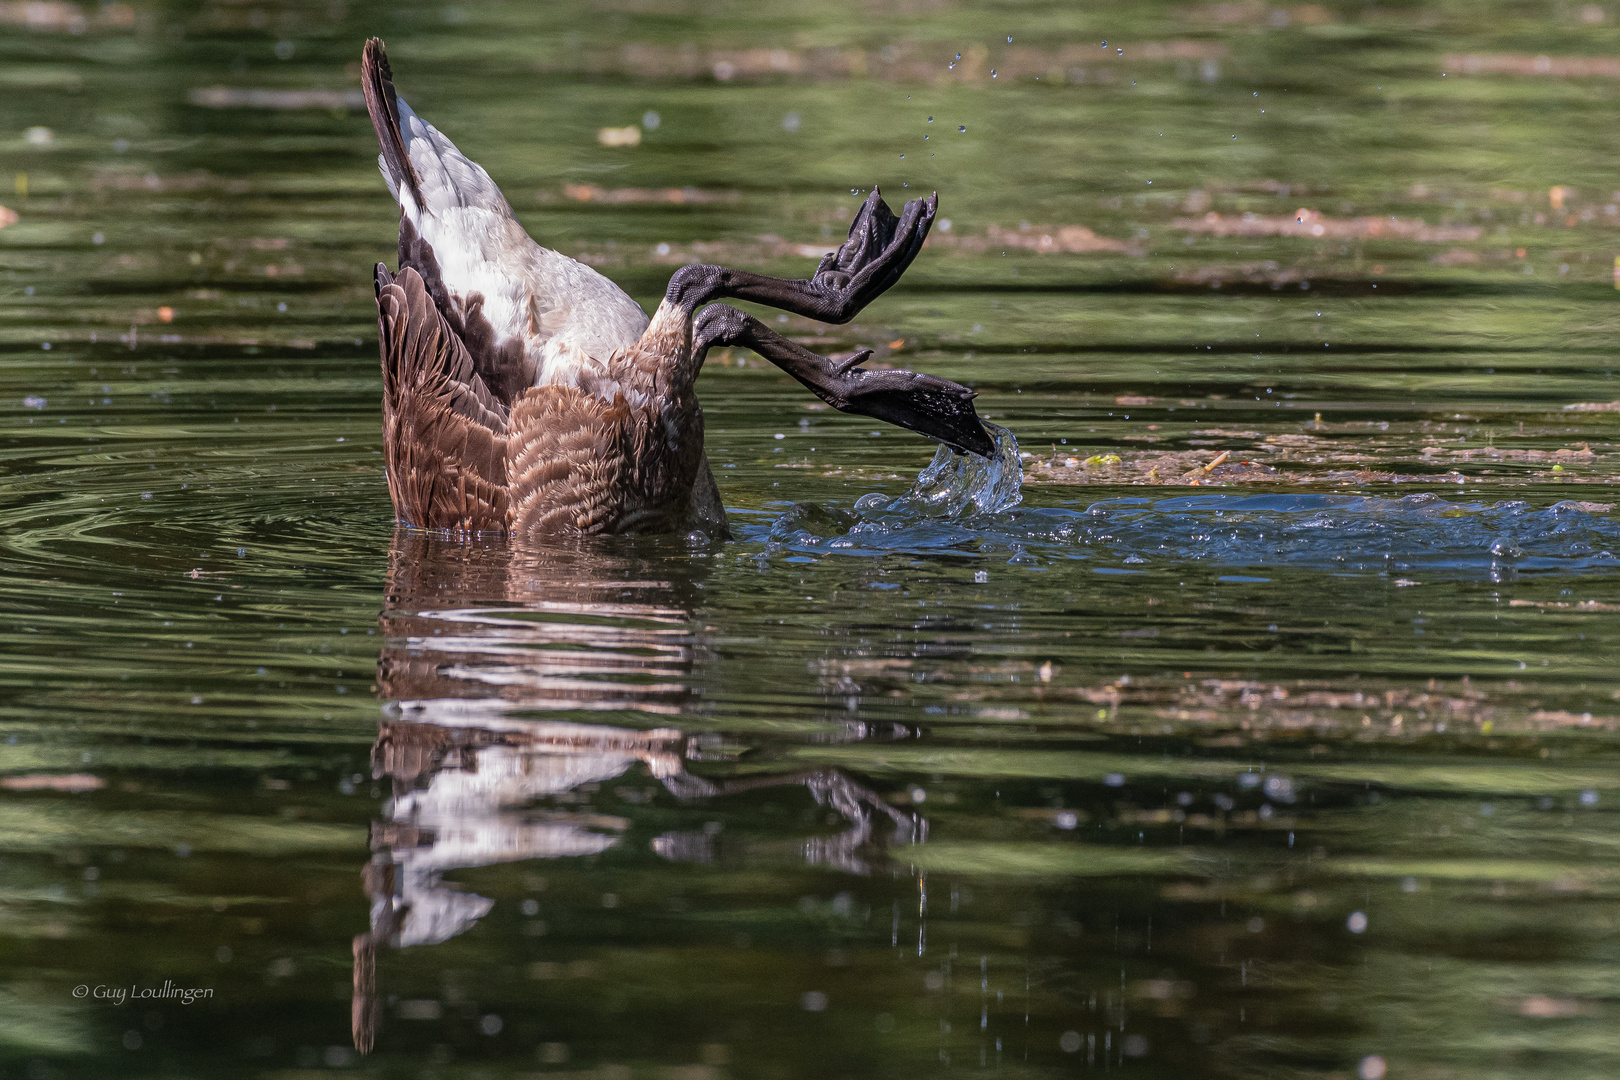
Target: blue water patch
(969, 506)
(1346, 533)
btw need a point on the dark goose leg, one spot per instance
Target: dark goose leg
(927, 404)
(879, 248)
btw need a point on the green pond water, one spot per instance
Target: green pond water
(1306, 769)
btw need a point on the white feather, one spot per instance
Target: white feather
(568, 316)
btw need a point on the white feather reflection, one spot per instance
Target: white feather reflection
(477, 640)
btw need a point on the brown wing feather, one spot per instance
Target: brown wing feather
(444, 433)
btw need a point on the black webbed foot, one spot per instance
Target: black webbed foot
(926, 404)
(878, 250)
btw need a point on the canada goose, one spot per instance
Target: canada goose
(526, 394)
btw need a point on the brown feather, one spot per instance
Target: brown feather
(444, 433)
(620, 452)
(377, 81)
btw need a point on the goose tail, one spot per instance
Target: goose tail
(425, 172)
(382, 102)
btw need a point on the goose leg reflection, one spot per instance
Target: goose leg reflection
(463, 798)
(857, 804)
(476, 640)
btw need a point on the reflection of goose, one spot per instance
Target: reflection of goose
(475, 631)
(466, 768)
(459, 795)
(525, 393)
(459, 802)
(829, 787)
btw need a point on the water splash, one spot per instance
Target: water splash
(954, 484)
(970, 506)
(953, 487)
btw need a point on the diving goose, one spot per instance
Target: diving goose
(526, 394)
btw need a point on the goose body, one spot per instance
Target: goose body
(527, 394)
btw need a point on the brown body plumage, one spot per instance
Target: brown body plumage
(553, 459)
(526, 394)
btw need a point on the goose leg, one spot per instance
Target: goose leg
(879, 248)
(927, 404)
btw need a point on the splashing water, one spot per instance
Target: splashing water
(954, 484)
(968, 505)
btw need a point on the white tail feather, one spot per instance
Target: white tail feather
(446, 177)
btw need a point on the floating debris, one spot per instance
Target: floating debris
(1319, 459)
(681, 196)
(52, 16)
(1046, 240)
(1313, 223)
(230, 97)
(1556, 67)
(68, 782)
(619, 136)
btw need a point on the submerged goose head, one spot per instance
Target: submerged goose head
(526, 394)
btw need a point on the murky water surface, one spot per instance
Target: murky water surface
(1269, 730)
